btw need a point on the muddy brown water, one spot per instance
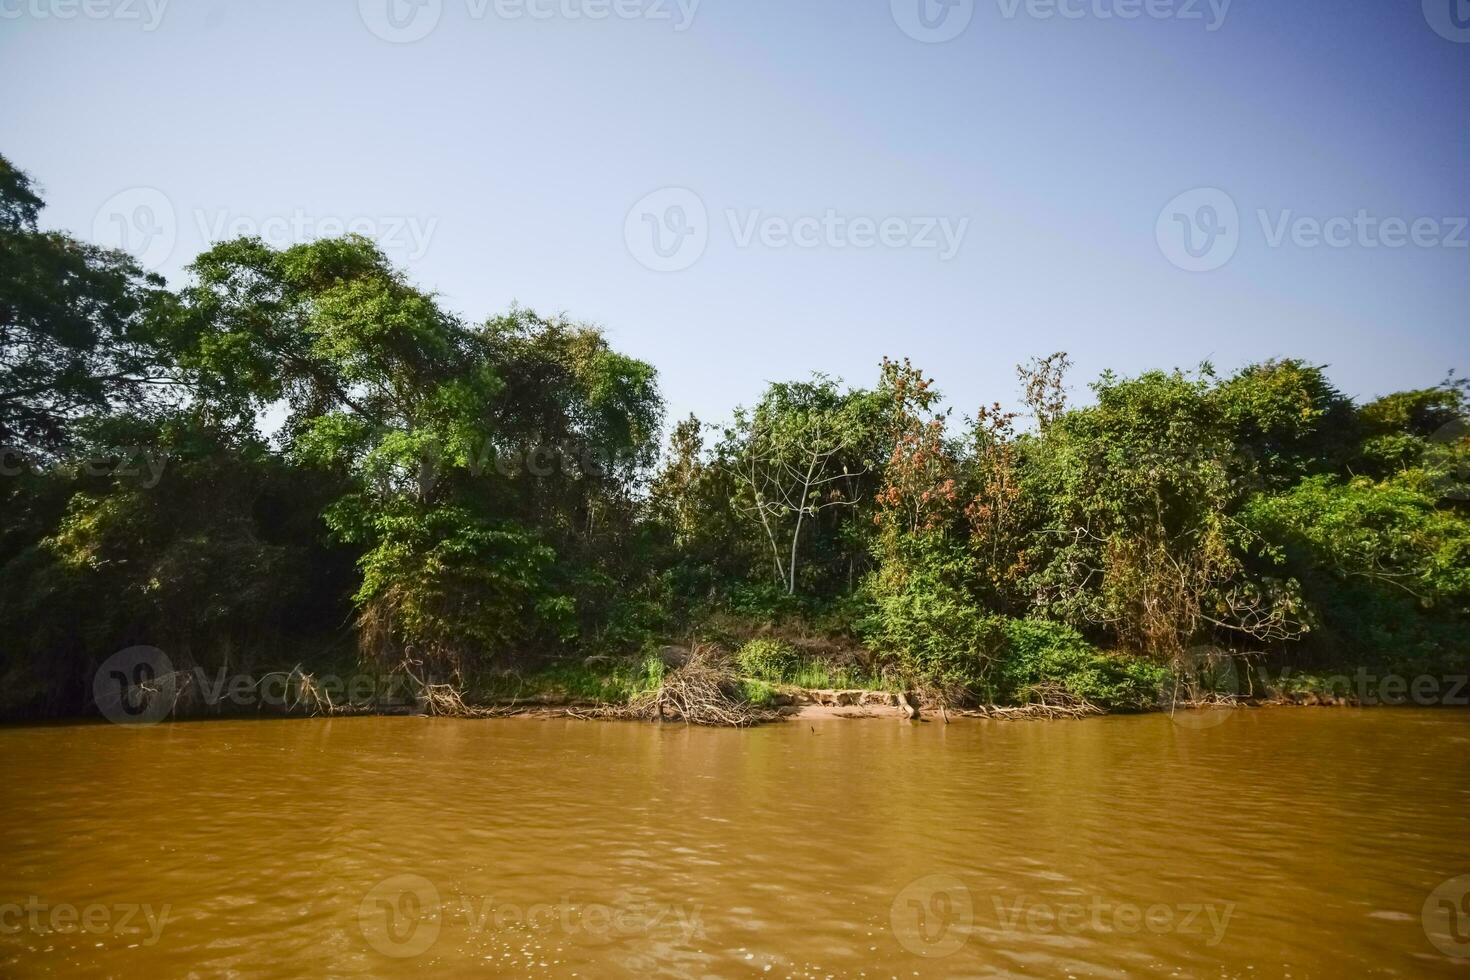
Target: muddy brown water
(1258, 843)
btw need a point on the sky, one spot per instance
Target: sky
(743, 191)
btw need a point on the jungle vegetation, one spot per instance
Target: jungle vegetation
(504, 501)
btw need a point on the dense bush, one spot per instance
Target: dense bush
(767, 659)
(1040, 656)
(935, 634)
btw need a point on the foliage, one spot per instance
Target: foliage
(82, 329)
(344, 462)
(1041, 655)
(1138, 537)
(796, 456)
(766, 658)
(1385, 568)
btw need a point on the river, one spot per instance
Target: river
(1295, 842)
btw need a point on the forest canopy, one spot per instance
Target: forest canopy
(491, 498)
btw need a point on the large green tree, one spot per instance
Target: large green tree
(81, 328)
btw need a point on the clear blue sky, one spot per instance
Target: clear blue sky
(522, 143)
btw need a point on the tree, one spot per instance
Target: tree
(470, 550)
(1139, 538)
(794, 457)
(81, 328)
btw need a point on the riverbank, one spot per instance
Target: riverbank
(819, 705)
(706, 685)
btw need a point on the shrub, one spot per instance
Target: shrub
(767, 659)
(1042, 654)
(935, 634)
(759, 693)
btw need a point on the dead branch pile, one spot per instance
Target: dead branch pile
(1047, 700)
(443, 698)
(704, 691)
